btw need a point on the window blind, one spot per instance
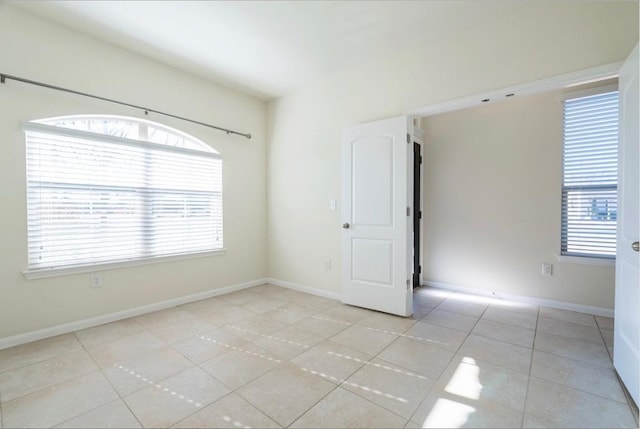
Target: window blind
(590, 176)
(95, 199)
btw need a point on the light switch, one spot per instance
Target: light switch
(332, 205)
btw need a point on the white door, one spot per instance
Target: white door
(376, 190)
(626, 355)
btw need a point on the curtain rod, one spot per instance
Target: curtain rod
(4, 77)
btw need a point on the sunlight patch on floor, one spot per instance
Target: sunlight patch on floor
(466, 380)
(464, 384)
(448, 414)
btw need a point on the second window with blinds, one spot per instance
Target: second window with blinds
(590, 175)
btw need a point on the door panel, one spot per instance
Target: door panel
(372, 261)
(376, 235)
(372, 193)
(627, 303)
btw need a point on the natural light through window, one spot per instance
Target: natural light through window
(590, 176)
(107, 189)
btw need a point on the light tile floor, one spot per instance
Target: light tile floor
(273, 357)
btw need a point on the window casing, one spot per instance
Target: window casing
(590, 176)
(106, 189)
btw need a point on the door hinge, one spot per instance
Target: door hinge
(421, 160)
(408, 138)
(408, 284)
(420, 215)
(419, 269)
(408, 211)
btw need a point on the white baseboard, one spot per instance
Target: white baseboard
(306, 289)
(137, 311)
(597, 311)
(119, 315)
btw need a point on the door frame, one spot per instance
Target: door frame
(417, 205)
(562, 81)
(554, 83)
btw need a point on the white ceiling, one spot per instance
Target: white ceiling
(270, 48)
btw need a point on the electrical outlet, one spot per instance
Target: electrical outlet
(332, 205)
(327, 264)
(96, 280)
(547, 270)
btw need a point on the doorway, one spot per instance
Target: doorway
(417, 212)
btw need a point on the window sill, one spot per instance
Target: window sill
(58, 272)
(585, 260)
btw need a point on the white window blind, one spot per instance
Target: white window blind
(590, 176)
(97, 197)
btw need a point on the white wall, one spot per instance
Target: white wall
(492, 192)
(534, 41)
(33, 48)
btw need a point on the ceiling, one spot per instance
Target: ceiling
(270, 48)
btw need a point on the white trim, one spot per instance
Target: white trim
(596, 90)
(119, 315)
(306, 289)
(597, 311)
(58, 272)
(566, 80)
(585, 260)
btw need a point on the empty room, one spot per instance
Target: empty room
(319, 214)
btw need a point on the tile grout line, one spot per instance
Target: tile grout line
(194, 364)
(231, 390)
(98, 370)
(358, 393)
(565, 386)
(526, 395)
(237, 392)
(108, 381)
(604, 341)
(157, 384)
(343, 381)
(44, 360)
(470, 332)
(335, 386)
(435, 381)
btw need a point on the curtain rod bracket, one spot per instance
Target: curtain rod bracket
(3, 77)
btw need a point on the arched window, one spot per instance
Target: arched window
(110, 189)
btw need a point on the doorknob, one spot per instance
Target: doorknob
(635, 246)
(346, 225)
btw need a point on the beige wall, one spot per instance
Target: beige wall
(534, 40)
(531, 40)
(492, 193)
(39, 50)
